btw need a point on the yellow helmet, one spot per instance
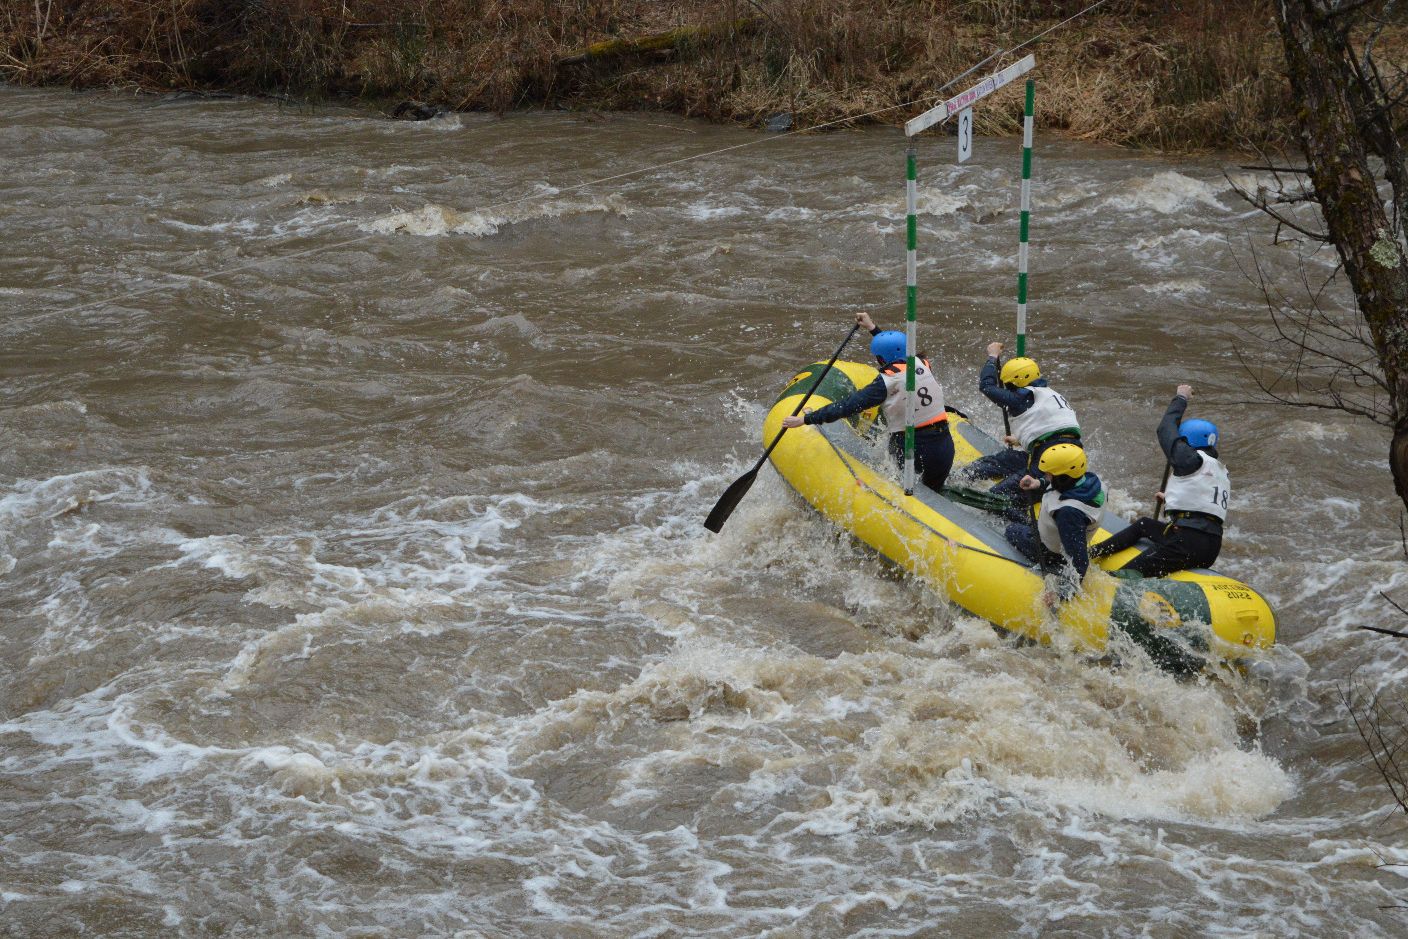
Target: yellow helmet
(1020, 372)
(1063, 459)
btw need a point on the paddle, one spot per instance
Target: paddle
(1167, 466)
(1163, 487)
(735, 492)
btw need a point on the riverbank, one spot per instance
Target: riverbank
(1177, 77)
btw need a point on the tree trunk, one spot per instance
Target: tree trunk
(1335, 113)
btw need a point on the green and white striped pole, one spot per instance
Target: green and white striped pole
(911, 200)
(1026, 218)
(912, 128)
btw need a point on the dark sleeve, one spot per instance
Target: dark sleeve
(1070, 523)
(1014, 401)
(1181, 456)
(853, 403)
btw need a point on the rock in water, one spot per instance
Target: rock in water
(410, 110)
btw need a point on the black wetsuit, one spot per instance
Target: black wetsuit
(1186, 539)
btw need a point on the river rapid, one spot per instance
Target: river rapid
(353, 581)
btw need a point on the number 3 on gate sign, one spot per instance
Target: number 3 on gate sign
(965, 135)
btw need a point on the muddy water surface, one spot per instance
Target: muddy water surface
(352, 579)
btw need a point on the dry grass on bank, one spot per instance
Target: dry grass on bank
(1177, 74)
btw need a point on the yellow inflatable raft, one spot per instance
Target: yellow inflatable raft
(955, 542)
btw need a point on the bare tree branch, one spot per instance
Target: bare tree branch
(1274, 169)
(1386, 632)
(1337, 9)
(1369, 724)
(1260, 202)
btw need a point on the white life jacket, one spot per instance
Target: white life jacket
(1048, 413)
(1046, 523)
(1206, 490)
(928, 396)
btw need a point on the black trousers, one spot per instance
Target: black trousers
(1176, 548)
(1024, 537)
(933, 453)
(1011, 466)
(1004, 463)
(999, 465)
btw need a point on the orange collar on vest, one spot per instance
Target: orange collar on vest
(895, 367)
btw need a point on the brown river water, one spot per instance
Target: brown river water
(353, 581)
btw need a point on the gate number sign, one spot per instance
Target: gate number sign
(965, 135)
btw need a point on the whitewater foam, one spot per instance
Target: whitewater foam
(433, 220)
(1165, 192)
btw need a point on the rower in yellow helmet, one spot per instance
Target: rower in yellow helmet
(1040, 418)
(1071, 503)
(1019, 372)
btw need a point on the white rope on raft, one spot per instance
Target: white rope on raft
(175, 279)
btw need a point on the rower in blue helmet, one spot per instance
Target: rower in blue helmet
(933, 444)
(1196, 499)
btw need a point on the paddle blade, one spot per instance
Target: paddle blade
(729, 501)
(977, 498)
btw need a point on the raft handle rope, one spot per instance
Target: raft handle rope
(177, 279)
(846, 462)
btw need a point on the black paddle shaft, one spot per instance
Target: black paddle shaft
(740, 486)
(1163, 486)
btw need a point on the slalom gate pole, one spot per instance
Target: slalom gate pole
(911, 200)
(1026, 218)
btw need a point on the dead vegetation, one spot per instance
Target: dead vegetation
(1178, 74)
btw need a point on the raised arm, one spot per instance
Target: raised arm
(1181, 456)
(991, 388)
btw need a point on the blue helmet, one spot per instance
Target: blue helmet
(889, 346)
(1198, 433)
